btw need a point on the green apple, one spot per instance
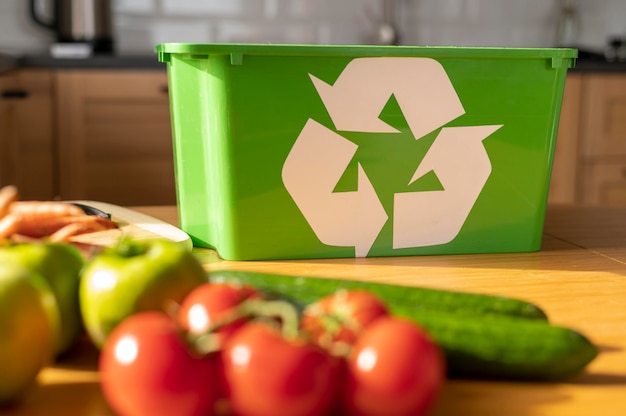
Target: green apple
(134, 276)
(60, 264)
(29, 329)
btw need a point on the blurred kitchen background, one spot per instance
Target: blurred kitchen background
(84, 109)
(138, 25)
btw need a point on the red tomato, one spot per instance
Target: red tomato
(393, 369)
(340, 317)
(271, 375)
(147, 368)
(211, 302)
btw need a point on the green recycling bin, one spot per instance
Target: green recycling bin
(318, 151)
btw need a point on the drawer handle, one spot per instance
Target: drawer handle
(165, 89)
(14, 94)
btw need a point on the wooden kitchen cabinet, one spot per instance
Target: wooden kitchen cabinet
(563, 184)
(603, 126)
(114, 135)
(6, 131)
(27, 148)
(106, 135)
(602, 160)
(603, 183)
(590, 157)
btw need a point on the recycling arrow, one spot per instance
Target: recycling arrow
(421, 87)
(311, 172)
(462, 165)
(320, 156)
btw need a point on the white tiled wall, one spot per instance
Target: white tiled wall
(530, 23)
(140, 24)
(482, 22)
(265, 21)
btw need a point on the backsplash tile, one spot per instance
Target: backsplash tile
(481, 23)
(210, 8)
(516, 12)
(241, 32)
(439, 10)
(140, 24)
(164, 30)
(134, 6)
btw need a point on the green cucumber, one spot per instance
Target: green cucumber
(305, 290)
(503, 347)
(482, 336)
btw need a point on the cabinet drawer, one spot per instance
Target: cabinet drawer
(115, 137)
(116, 84)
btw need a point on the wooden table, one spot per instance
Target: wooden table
(578, 278)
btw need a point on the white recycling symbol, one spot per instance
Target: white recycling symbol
(320, 156)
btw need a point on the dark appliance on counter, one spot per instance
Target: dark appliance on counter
(77, 23)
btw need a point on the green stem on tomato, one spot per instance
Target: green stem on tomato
(286, 313)
(283, 310)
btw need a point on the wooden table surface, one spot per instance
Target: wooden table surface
(578, 277)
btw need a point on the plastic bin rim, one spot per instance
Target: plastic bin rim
(360, 50)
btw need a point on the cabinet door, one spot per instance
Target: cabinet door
(603, 140)
(603, 183)
(604, 116)
(563, 183)
(35, 167)
(6, 133)
(26, 134)
(115, 137)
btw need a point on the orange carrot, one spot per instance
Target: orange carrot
(37, 210)
(52, 220)
(46, 226)
(8, 195)
(64, 233)
(9, 225)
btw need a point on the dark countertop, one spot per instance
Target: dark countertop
(139, 62)
(93, 62)
(7, 63)
(593, 65)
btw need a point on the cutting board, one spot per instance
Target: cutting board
(132, 224)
